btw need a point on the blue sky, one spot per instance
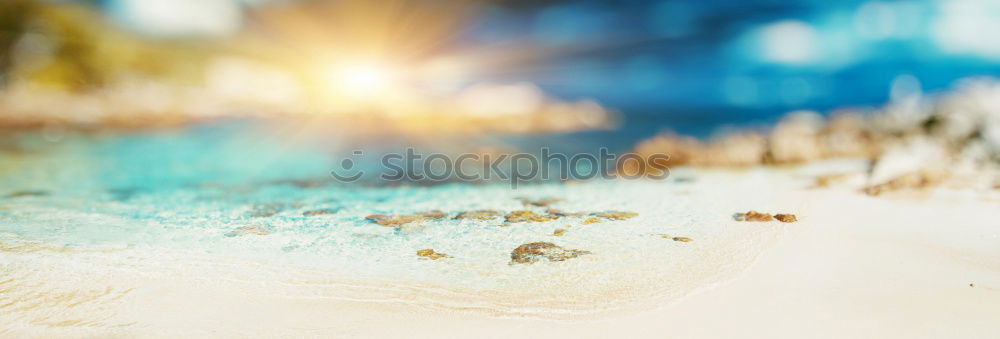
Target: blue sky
(752, 54)
(653, 55)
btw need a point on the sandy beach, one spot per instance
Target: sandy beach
(499, 169)
(913, 264)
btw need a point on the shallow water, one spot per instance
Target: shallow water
(93, 229)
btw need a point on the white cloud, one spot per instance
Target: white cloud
(969, 27)
(181, 17)
(790, 41)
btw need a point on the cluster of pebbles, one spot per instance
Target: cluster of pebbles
(915, 141)
(524, 254)
(535, 251)
(532, 252)
(764, 217)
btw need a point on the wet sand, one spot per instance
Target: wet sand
(853, 265)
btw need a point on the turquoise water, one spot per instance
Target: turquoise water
(151, 207)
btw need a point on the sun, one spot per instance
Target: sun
(365, 77)
(361, 79)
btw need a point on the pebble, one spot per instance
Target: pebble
(753, 216)
(319, 212)
(539, 202)
(478, 215)
(533, 252)
(616, 215)
(561, 213)
(267, 210)
(430, 254)
(528, 216)
(400, 220)
(786, 217)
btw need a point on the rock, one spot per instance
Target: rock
(248, 230)
(970, 112)
(826, 180)
(376, 217)
(430, 254)
(479, 215)
(785, 217)
(528, 216)
(434, 214)
(616, 215)
(559, 232)
(560, 213)
(400, 220)
(267, 210)
(916, 163)
(319, 212)
(907, 111)
(540, 202)
(20, 194)
(683, 239)
(753, 216)
(915, 141)
(740, 149)
(848, 135)
(918, 180)
(591, 220)
(392, 221)
(533, 252)
(681, 150)
(796, 138)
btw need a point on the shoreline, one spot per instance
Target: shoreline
(830, 257)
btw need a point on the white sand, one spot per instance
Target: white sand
(853, 266)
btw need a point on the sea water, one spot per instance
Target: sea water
(90, 224)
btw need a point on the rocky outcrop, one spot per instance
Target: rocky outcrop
(914, 141)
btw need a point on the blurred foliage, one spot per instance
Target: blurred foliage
(70, 46)
(14, 16)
